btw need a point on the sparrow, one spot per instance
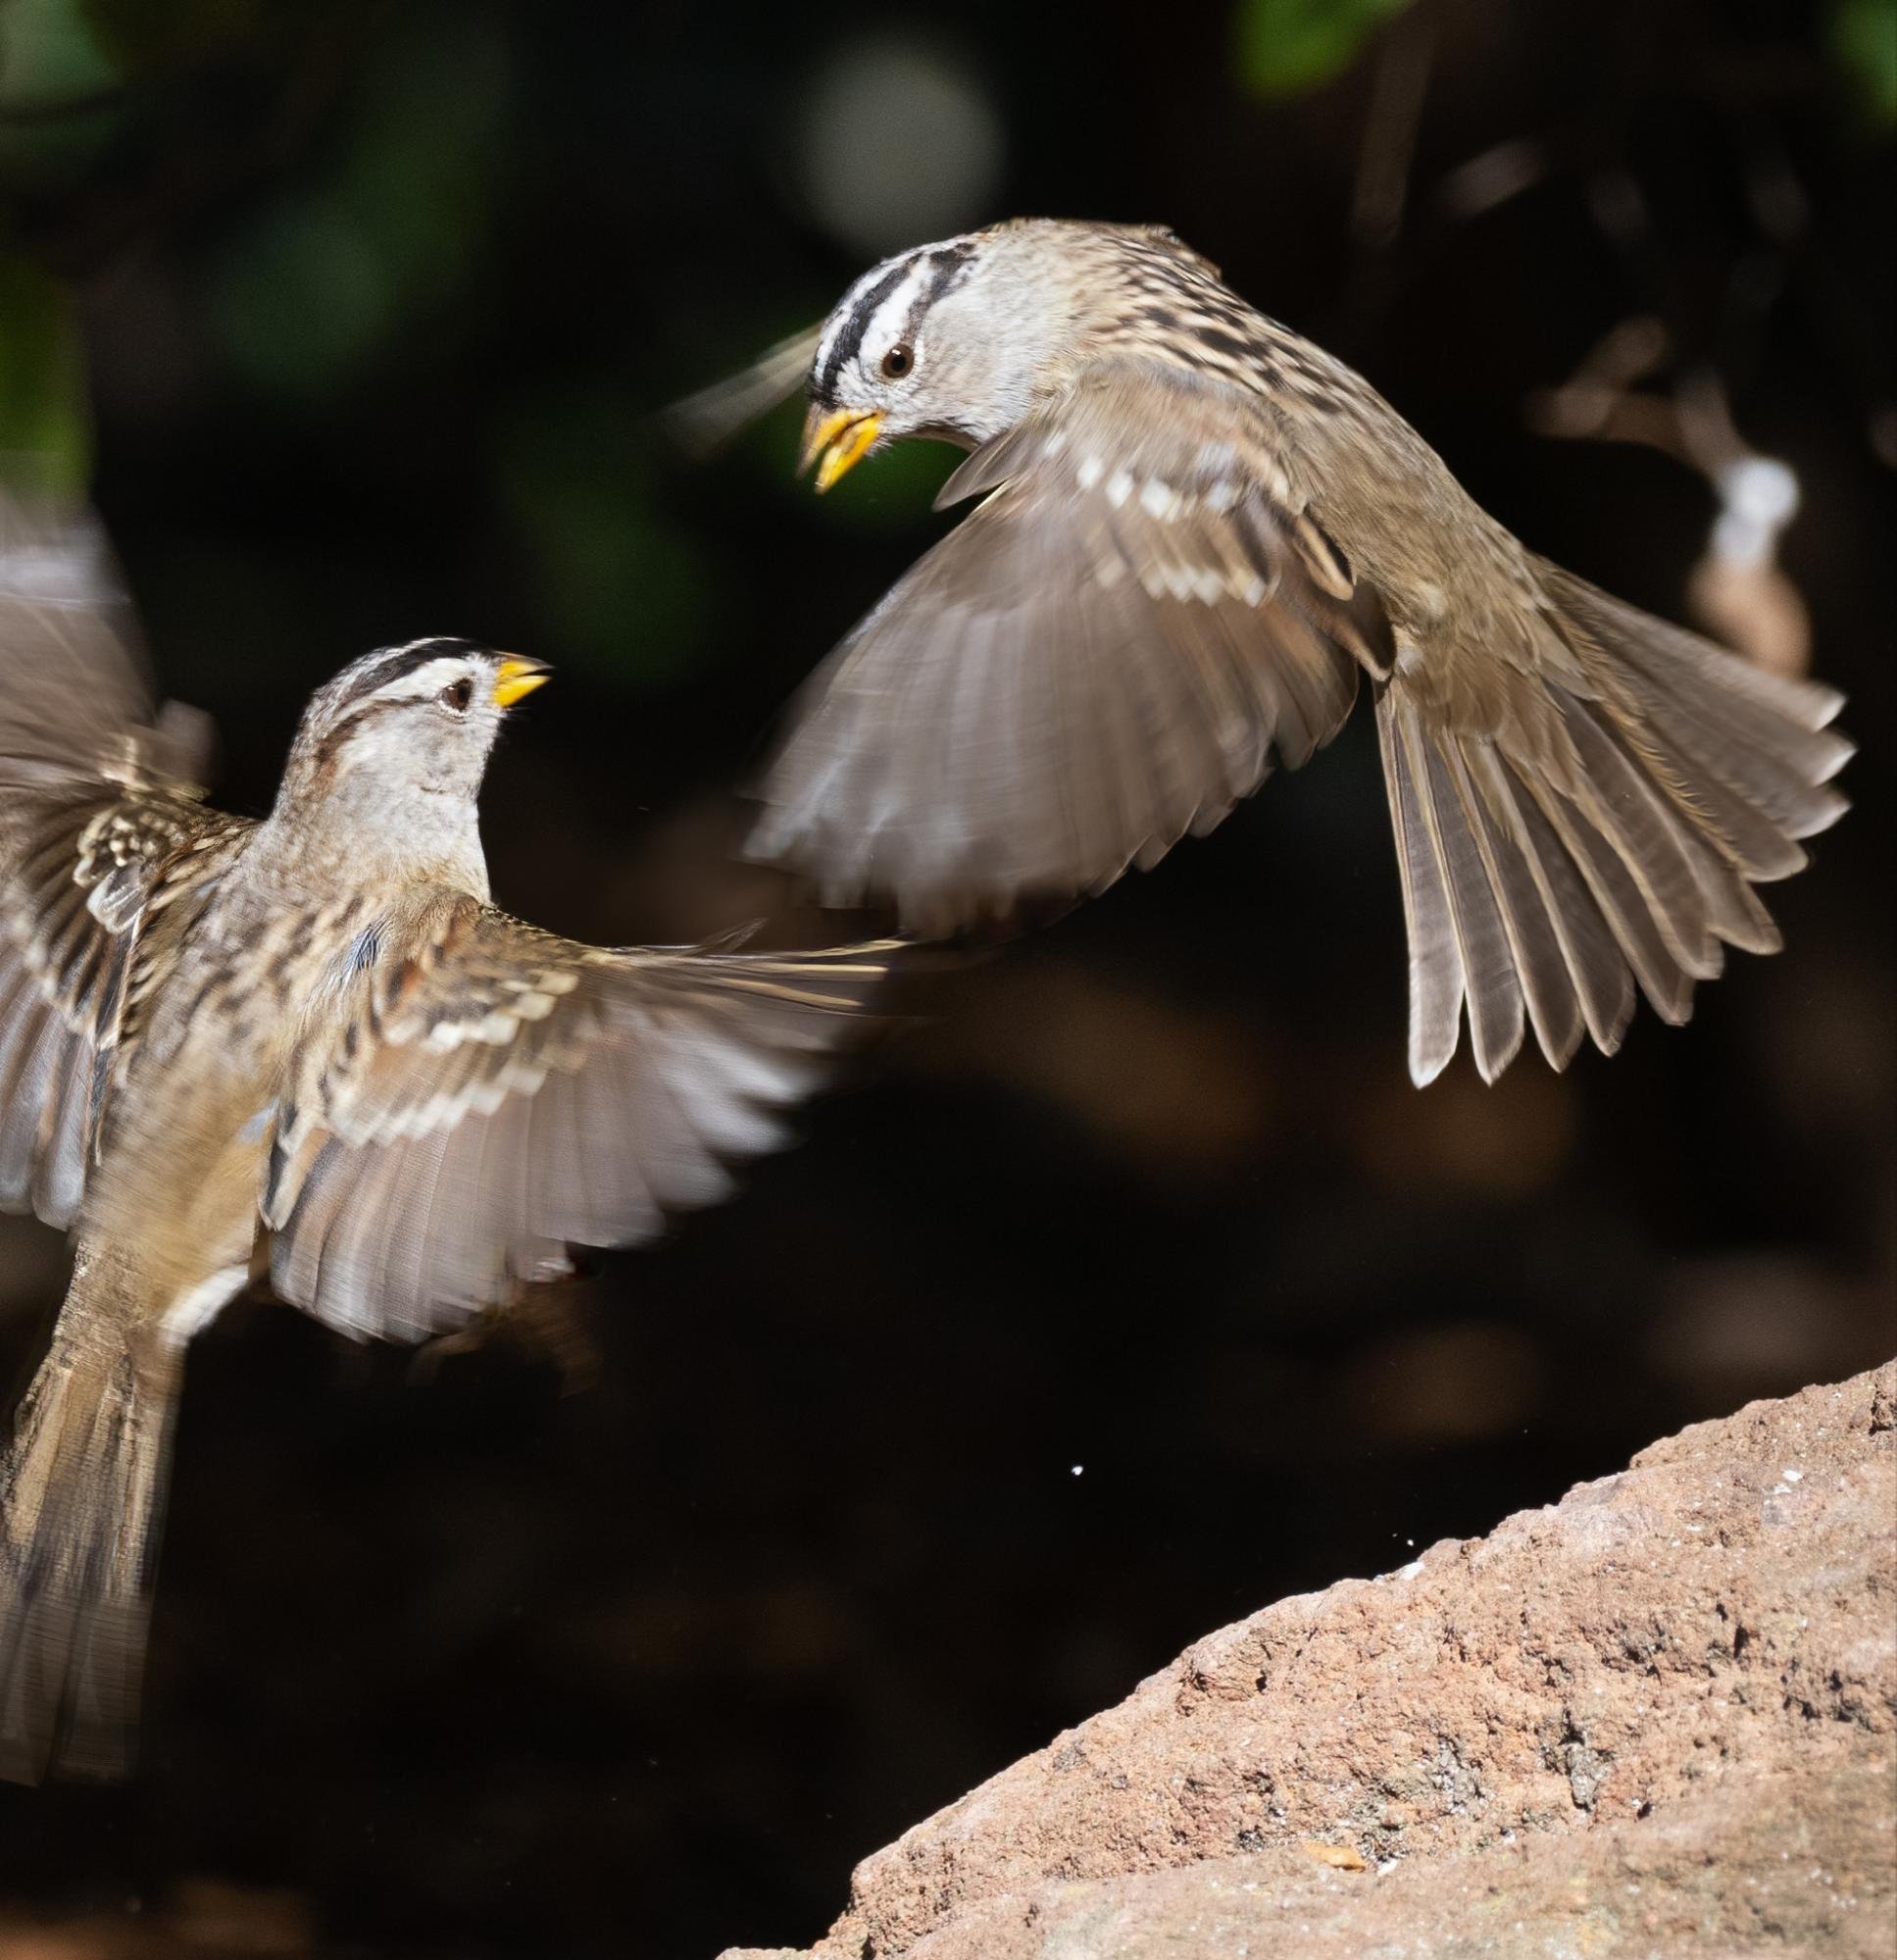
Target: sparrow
(307, 1048)
(1198, 537)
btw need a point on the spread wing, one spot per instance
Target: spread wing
(1104, 656)
(496, 1094)
(100, 830)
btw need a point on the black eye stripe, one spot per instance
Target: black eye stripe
(947, 264)
(849, 337)
(377, 673)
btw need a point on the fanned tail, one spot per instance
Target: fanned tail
(1546, 883)
(81, 1493)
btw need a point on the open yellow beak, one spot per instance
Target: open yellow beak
(841, 439)
(516, 679)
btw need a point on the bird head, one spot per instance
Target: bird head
(953, 341)
(401, 737)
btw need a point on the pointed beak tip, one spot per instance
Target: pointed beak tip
(517, 678)
(836, 443)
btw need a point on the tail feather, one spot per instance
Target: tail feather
(1617, 896)
(1602, 982)
(1630, 811)
(81, 1494)
(1734, 909)
(1713, 716)
(1723, 903)
(1739, 742)
(1544, 884)
(1485, 954)
(1437, 980)
(1550, 991)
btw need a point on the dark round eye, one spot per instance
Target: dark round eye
(898, 361)
(459, 696)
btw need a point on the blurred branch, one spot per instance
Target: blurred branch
(1389, 143)
(1487, 181)
(1736, 590)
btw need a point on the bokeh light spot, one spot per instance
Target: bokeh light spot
(898, 142)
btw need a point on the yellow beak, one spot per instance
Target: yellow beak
(516, 679)
(840, 438)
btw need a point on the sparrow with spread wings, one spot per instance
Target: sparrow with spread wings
(1198, 538)
(307, 1048)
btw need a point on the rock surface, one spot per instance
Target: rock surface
(1657, 1717)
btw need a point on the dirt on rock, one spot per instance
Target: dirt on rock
(1658, 1717)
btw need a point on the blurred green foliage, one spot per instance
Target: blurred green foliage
(58, 54)
(57, 108)
(143, 36)
(50, 55)
(1286, 46)
(626, 593)
(1863, 42)
(311, 292)
(43, 408)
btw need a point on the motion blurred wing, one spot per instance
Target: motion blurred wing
(1102, 657)
(497, 1094)
(100, 830)
(703, 423)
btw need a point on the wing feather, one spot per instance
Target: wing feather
(1094, 663)
(526, 1096)
(101, 824)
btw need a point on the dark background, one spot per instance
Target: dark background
(1135, 1286)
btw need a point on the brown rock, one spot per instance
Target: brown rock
(1658, 1717)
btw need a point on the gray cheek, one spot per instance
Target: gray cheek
(451, 773)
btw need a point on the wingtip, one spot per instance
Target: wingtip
(710, 419)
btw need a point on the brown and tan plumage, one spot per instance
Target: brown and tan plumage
(307, 1047)
(1200, 536)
